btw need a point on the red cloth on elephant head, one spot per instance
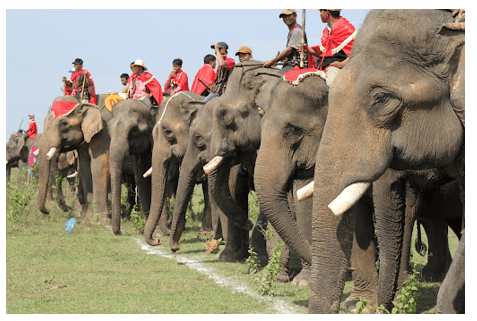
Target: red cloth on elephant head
(62, 108)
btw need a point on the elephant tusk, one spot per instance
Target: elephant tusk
(305, 192)
(36, 153)
(348, 197)
(6, 163)
(213, 164)
(51, 153)
(73, 175)
(148, 173)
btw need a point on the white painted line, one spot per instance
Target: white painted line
(194, 262)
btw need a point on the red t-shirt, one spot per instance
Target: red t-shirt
(207, 75)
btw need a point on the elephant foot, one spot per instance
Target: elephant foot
(349, 305)
(303, 278)
(231, 255)
(283, 276)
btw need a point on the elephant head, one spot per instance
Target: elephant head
(64, 133)
(393, 105)
(290, 129)
(171, 138)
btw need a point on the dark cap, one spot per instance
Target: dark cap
(221, 45)
(78, 61)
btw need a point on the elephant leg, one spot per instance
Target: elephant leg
(141, 164)
(438, 249)
(257, 240)
(207, 224)
(272, 243)
(101, 181)
(85, 187)
(237, 239)
(363, 259)
(303, 212)
(60, 198)
(131, 199)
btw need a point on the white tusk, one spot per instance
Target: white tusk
(213, 164)
(7, 163)
(36, 153)
(51, 153)
(348, 197)
(148, 173)
(306, 191)
(72, 175)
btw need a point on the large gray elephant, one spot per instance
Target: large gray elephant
(18, 150)
(407, 112)
(170, 139)
(130, 150)
(83, 128)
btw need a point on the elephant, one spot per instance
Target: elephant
(405, 113)
(18, 151)
(85, 129)
(130, 151)
(170, 139)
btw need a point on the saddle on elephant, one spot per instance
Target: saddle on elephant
(296, 76)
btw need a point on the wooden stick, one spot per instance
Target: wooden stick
(302, 53)
(82, 89)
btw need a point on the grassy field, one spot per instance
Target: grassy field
(89, 270)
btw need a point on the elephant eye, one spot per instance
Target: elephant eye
(384, 107)
(63, 125)
(168, 134)
(225, 116)
(199, 141)
(293, 133)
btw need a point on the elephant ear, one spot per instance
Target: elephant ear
(189, 109)
(92, 121)
(456, 57)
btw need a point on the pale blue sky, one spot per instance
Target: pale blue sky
(42, 44)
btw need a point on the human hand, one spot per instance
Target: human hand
(85, 72)
(63, 79)
(268, 63)
(305, 48)
(172, 74)
(338, 64)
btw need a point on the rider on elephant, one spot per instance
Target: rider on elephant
(206, 74)
(336, 43)
(177, 80)
(144, 86)
(32, 128)
(82, 83)
(224, 69)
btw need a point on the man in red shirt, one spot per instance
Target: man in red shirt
(224, 69)
(83, 89)
(336, 42)
(206, 74)
(177, 80)
(32, 128)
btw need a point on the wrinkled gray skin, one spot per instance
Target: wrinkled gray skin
(236, 178)
(18, 152)
(398, 114)
(170, 136)
(84, 129)
(130, 150)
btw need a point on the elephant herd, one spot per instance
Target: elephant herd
(337, 170)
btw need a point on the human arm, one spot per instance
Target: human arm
(315, 51)
(340, 64)
(285, 53)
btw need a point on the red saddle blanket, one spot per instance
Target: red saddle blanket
(296, 76)
(62, 108)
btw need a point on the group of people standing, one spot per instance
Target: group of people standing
(330, 55)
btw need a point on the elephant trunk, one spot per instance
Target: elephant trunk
(116, 170)
(389, 204)
(159, 182)
(187, 179)
(46, 175)
(220, 190)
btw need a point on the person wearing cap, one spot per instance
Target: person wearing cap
(82, 83)
(244, 53)
(177, 80)
(224, 69)
(290, 54)
(336, 41)
(144, 86)
(32, 128)
(206, 74)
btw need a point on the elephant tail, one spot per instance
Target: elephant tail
(420, 247)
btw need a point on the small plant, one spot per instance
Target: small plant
(406, 300)
(251, 261)
(19, 199)
(137, 218)
(270, 272)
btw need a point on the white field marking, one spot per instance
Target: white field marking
(193, 262)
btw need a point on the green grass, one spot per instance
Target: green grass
(104, 273)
